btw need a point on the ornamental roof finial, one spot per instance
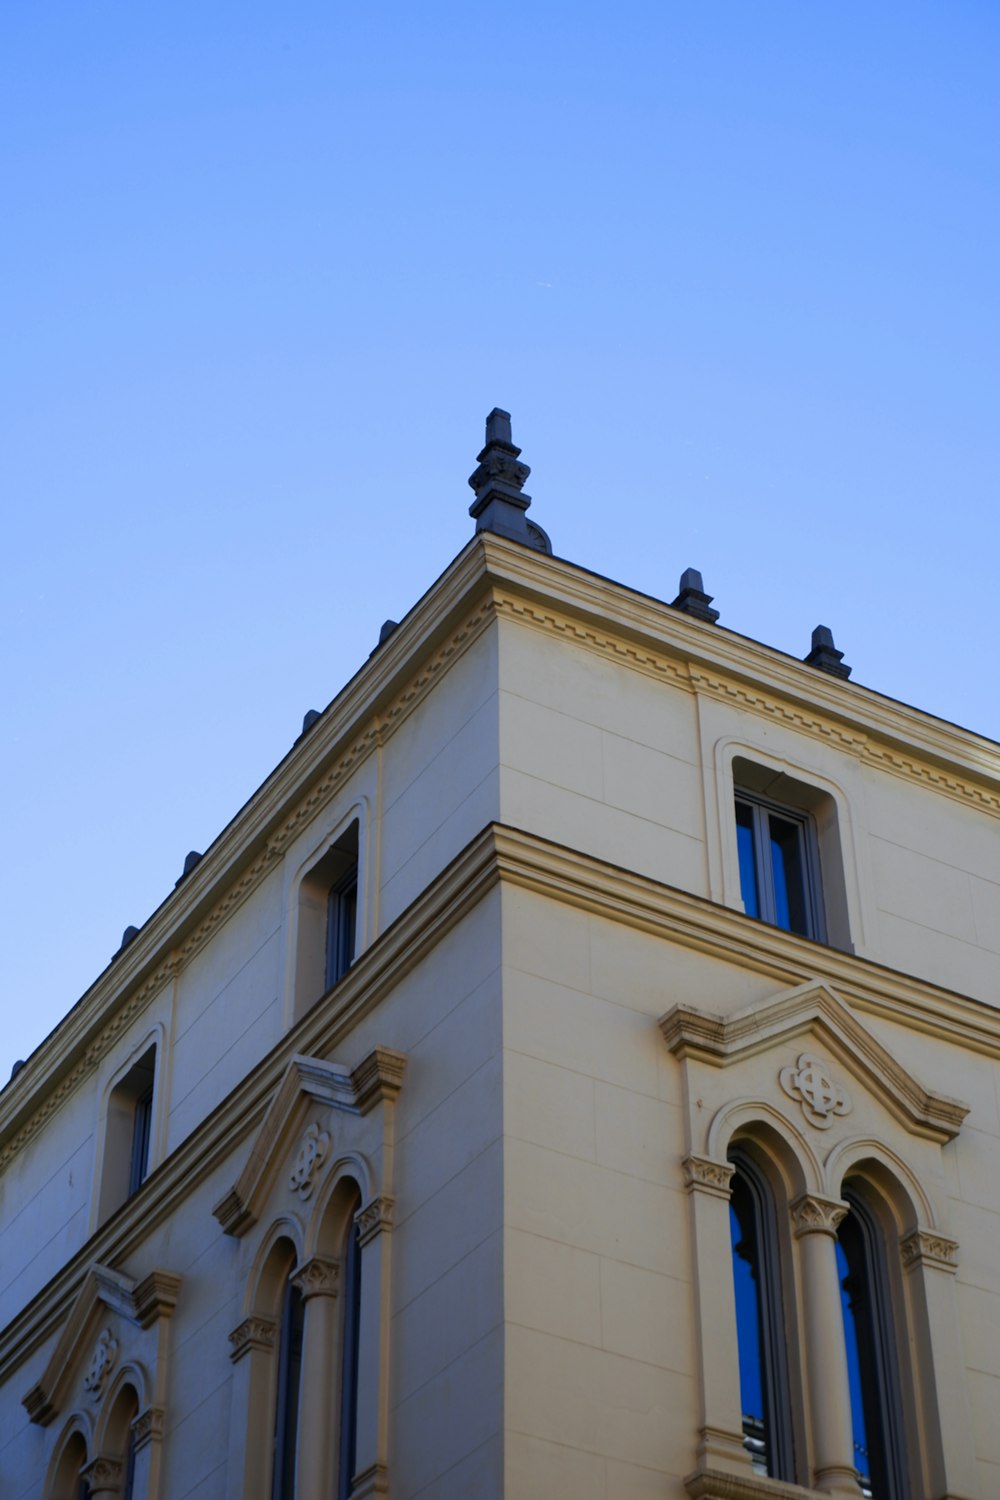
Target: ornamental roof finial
(498, 482)
(825, 655)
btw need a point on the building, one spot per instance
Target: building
(573, 1074)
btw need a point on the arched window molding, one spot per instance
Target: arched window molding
(255, 1352)
(70, 1457)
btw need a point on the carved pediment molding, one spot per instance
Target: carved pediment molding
(87, 1345)
(307, 1081)
(814, 1009)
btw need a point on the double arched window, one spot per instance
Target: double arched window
(762, 1259)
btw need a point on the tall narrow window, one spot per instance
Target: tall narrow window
(326, 920)
(779, 866)
(760, 1323)
(286, 1413)
(341, 926)
(347, 1458)
(876, 1414)
(128, 1135)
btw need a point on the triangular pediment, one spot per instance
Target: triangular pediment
(814, 1010)
(307, 1081)
(88, 1344)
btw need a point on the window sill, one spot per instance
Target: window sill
(715, 1484)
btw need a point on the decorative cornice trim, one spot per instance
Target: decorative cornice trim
(307, 1080)
(814, 1009)
(371, 1481)
(703, 1175)
(528, 862)
(270, 821)
(925, 1247)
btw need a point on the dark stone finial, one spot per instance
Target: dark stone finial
(128, 936)
(190, 860)
(309, 718)
(825, 655)
(692, 598)
(498, 483)
(16, 1068)
(388, 626)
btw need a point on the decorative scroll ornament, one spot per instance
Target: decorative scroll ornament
(811, 1084)
(101, 1361)
(103, 1473)
(311, 1155)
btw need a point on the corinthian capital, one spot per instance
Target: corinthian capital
(812, 1214)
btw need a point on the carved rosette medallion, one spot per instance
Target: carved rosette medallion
(811, 1084)
(101, 1362)
(375, 1217)
(252, 1333)
(814, 1215)
(923, 1248)
(311, 1155)
(317, 1278)
(702, 1174)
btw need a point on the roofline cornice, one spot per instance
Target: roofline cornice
(490, 577)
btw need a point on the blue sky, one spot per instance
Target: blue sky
(264, 269)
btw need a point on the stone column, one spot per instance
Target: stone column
(816, 1220)
(251, 1420)
(319, 1397)
(720, 1425)
(930, 1261)
(374, 1236)
(104, 1475)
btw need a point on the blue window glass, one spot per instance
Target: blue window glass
(748, 859)
(779, 866)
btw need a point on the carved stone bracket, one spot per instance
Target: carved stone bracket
(310, 1157)
(703, 1175)
(811, 1083)
(147, 1427)
(317, 1278)
(252, 1333)
(101, 1363)
(378, 1076)
(812, 1214)
(375, 1217)
(924, 1248)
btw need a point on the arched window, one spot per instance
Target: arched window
(286, 1411)
(68, 1482)
(873, 1369)
(760, 1321)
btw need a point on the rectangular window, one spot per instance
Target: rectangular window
(341, 926)
(142, 1122)
(779, 865)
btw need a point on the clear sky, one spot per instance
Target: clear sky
(264, 268)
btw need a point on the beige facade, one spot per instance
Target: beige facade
(524, 1102)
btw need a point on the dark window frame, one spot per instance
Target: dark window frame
(289, 1383)
(758, 816)
(341, 926)
(869, 1325)
(759, 1246)
(350, 1356)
